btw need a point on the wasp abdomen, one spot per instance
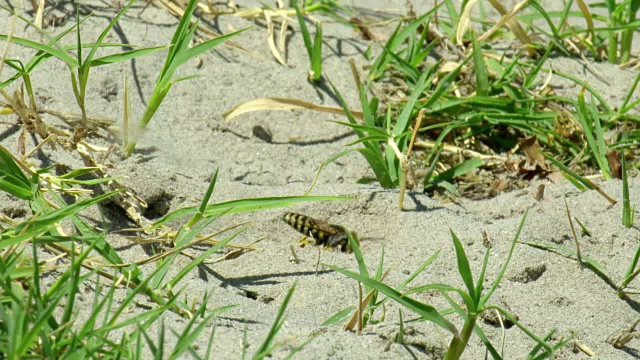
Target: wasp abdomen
(320, 231)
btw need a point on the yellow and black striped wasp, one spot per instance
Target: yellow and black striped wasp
(322, 232)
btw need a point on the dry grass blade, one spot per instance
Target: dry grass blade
(127, 200)
(405, 161)
(126, 111)
(59, 250)
(573, 233)
(356, 318)
(283, 33)
(587, 16)
(427, 144)
(270, 16)
(178, 11)
(39, 14)
(180, 249)
(621, 339)
(465, 20)
(262, 104)
(169, 237)
(508, 20)
(9, 35)
(270, 40)
(93, 123)
(601, 192)
(584, 348)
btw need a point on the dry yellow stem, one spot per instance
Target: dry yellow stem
(513, 25)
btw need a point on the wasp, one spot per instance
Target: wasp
(322, 232)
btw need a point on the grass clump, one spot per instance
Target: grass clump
(178, 54)
(490, 124)
(79, 67)
(474, 296)
(28, 315)
(314, 49)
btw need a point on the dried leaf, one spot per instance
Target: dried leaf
(613, 158)
(532, 151)
(538, 194)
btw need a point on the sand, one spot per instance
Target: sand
(188, 141)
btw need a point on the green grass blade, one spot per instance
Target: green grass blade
(205, 200)
(149, 315)
(185, 236)
(623, 107)
(601, 146)
(245, 205)
(534, 337)
(454, 172)
(379, 168)
(588, 262)
(265, 348)
(579, 181)
(498, 279)
(419, 270)
(12, 179)
(187, 338)
(347, 110)
(316, 58)
(104, 33)
(601, 100)
(426, 311)
(38, 225)
(124, 56)
(403, 121)
(538, 347)
(306, 37)
(198, 260)
(480, 283)
(374, 159)
(339, 317)
(443, 288)
(143, 287)
(532, 76)
(396, 40)
(369, 129)
(367, 111)
(379, 271)
(372, 138)
(26, 340)
(404, 66)
(480, 68)
(180, 40)
(355, 247)
(188, 54)
(371, 152)
(55, 51)
(464, 268)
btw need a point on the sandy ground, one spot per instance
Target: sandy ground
(188, 140)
